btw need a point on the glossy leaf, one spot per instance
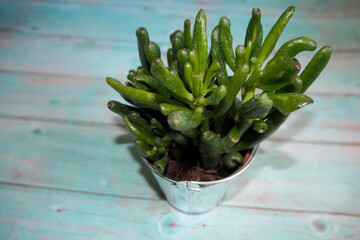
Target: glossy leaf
(184, 120)
(209, 149)
(256, 107)
(139, 97)
(289, 102)
(200, 41)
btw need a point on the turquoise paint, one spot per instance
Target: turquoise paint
(48, 214)
(84, 99)
(82, 175)
(54, 102)
(288, 175)
(53, 20)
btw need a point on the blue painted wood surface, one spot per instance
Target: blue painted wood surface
(68, 169)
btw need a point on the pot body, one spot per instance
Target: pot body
(197, 197)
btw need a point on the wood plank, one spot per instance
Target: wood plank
(83, 216)
(118, 21)
(68, 88)
(339, 77)
(288, 175)
(99, 58)
(73, 57)
(319, 8)
(81, 100)
(301, 175)
(68, 168)
(82, 57)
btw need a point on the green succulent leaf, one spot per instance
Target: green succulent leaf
(143, 148)
(210, 74)
(197, 85)
(182, 57)
(152, 51)
(119, 108)
(257, 107)
(184, 120)
(259, 126)
(187, 34)
(288, 102)
(157, 124)
(216, 96)
(141, 124)
(226, 41)
(141, 86)
(166, 108)
(139, 131)
(160, 165)
(240, 53)
(233, 160)
(232, 90)
(188, 75)
(139, 97)
(142, 71)
(200, 41)
(131, 75)
(169, 56)
(192, 102)
(153, 83)
(209, 149)
(315, 67)
(170, 79)
(254, 33)
(143, 38)
(235, 134)
(179, 138)
(177, 41)
(274, 34)
(294, 86)
(291, 48)
(274, 75)
(218, 55)
(274, 120)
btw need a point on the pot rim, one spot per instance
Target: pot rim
(208, 183)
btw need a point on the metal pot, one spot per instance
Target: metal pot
(194, 197)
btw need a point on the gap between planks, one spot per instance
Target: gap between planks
(21, 185)
(117, 125)
(22, 32)
(315, 14)
(68, 37)
(36, 73)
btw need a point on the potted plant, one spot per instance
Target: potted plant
(192, 130)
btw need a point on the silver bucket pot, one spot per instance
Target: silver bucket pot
(197, 197)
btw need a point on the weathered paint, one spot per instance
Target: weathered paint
(118, 21)
(68, 169)
(105, 45)
(82, 100)
(286, 175)
(52, 214)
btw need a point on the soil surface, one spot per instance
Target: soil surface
(178, 171)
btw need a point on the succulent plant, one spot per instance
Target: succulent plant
(191, 106)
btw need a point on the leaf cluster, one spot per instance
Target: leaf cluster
(194, 107)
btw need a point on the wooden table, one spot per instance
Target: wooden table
(68, 168)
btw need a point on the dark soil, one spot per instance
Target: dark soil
(179, 171)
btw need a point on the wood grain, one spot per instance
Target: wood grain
(107, 46)
(90, 58)
(284, 175)
(68, 168)
(115, 20)
(82, 100)
(82, 216)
